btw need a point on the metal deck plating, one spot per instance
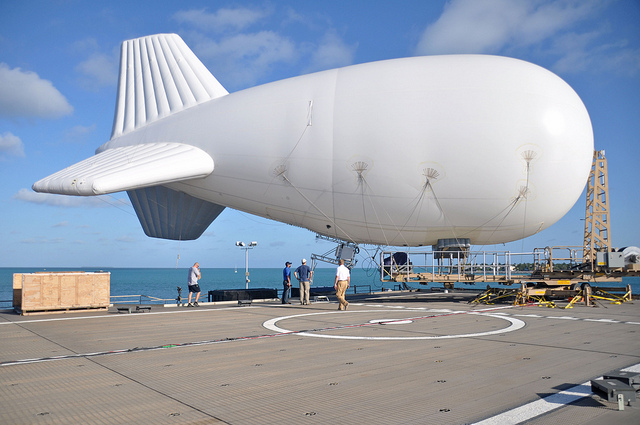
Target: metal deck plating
(391, 358)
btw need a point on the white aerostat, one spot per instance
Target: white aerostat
(398, 152)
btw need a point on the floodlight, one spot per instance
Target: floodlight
(246, 248)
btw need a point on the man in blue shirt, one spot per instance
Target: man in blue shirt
(304, 275)
(286, 283)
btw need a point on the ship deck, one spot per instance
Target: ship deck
(396, 357)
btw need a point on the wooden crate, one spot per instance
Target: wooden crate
(48, 292)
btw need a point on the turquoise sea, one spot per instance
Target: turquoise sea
(162, 283)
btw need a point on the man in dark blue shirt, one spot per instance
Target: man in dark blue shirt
(286, 283)
(304, 275)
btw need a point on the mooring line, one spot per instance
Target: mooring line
(137, 349)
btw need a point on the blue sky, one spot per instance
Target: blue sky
(58, 76)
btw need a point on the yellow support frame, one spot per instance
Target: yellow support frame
(597, 234)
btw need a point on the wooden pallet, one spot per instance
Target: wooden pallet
(59, 310)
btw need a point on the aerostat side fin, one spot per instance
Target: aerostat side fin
(127, 168)
(159, 75)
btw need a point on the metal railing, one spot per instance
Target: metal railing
(355, 288)
(480, 266)
(459, 266)
(545, 258)
(140, 299)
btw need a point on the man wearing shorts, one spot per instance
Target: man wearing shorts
(194, 275)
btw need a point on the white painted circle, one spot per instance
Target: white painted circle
(515, 324)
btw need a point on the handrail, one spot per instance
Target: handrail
(458, 266)
(355, 291)
(140, 297)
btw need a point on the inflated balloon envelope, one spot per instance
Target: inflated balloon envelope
(398, 152)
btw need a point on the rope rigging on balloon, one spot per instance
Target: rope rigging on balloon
(360, 167)
(431, 174)
(523, 191)
(281, 170)
(528, 156)
(284, 176)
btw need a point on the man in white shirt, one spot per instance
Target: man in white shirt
(343, 278)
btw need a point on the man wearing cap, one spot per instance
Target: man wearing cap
(286, 282)
(304, 275)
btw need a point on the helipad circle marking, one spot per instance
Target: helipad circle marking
(515, 324)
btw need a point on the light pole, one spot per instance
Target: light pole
(246, 248)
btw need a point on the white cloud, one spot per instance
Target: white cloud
(11, 145)
(86, 45)
(543, 20)
(126, 239)
(23, 94)
(293, 17)
(332, 52)
(570, 31)
(222, 20)
(624, 61)
(573, 48)
(245, 58)
(42, 241)
(581, 52)
(99, 70)
(241, 54)
(78, 133)
(30, 196)
(472, 26)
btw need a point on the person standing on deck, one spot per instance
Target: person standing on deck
(304, 275)
(286, 282)
(192, 280)
(343, 279)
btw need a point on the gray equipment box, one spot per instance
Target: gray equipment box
(629, 378)
(610, 388)
(610, 259)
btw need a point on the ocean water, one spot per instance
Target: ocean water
(162, 283)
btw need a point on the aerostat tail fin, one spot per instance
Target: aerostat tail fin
(159, 75)
(168, 214)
